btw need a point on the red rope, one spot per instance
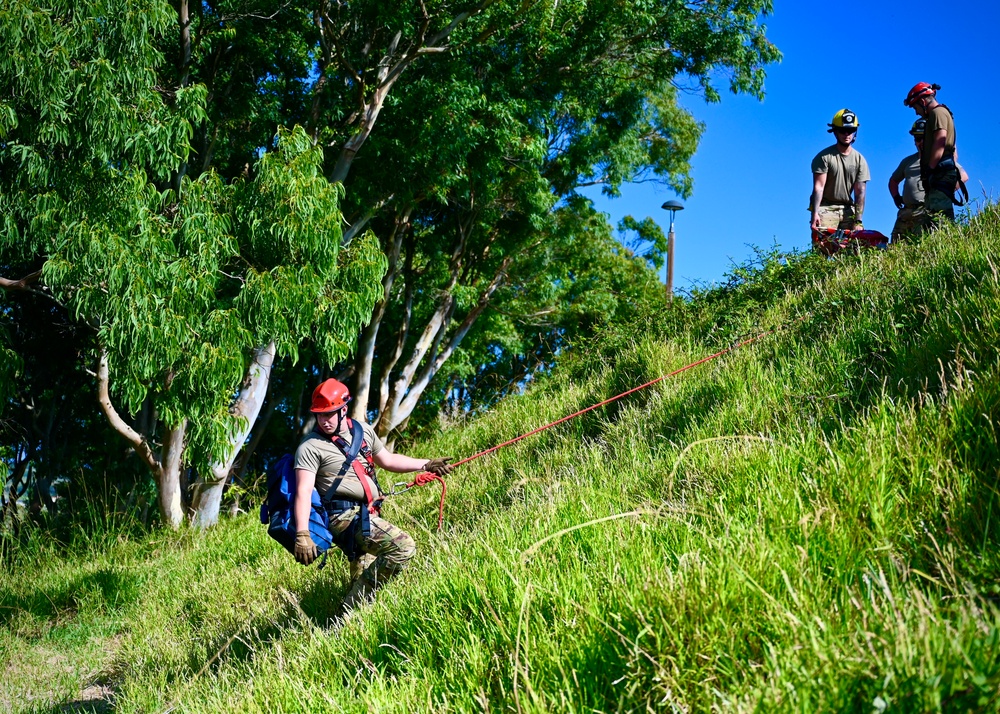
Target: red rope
(427, 477)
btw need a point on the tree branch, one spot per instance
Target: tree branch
(359, 224)
(388, 72)
(22, 283)
(407, 404)
(138, 441)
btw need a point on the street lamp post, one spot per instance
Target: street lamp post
(673, 206)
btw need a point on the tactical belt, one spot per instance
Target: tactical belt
(346, 540)
(946, 178)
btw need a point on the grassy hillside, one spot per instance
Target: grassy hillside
(807, 524)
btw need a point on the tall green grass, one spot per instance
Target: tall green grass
(807, 524)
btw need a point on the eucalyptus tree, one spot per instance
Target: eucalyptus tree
(458, 128)
(80, 123)
(192, 290)
(146, 186)
(495, 137)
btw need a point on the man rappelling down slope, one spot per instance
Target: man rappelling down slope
(377, 549)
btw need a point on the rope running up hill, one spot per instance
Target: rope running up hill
(427, 477)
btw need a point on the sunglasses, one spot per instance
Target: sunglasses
(840, 130)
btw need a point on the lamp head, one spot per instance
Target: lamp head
(672, 205)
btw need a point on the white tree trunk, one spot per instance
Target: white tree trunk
(366, 342)
(409, 388)
(169, 476)
(208, 492)
(165, 466)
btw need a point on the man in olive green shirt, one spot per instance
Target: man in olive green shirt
(840, 174)
(938, 170)
(912, 217)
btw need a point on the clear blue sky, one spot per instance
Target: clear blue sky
(751, 172)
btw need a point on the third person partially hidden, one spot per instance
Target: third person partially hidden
(907, 189)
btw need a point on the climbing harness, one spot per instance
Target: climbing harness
(426, 477)
(277, 511)
(357, 456)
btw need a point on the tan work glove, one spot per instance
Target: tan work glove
(305, 549)
(439, 467)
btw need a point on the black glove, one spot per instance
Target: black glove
(305, 549)
(900, 203)
(439, 467)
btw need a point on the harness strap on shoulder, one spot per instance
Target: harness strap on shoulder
(371, 489)
(350, 452)
(373, 495)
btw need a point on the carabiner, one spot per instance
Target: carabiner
(399, 487)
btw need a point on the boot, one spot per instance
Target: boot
(360, 565)
(360, 593)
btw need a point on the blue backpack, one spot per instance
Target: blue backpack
(276, 511)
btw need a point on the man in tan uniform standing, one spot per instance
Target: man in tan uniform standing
(377, 549)
(911, 217)
(839, 177)
(938, 170)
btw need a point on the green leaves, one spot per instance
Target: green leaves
(180, 287)
(113, 116)
(82, 80)
(181, 290)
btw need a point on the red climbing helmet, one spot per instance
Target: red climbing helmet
(330, 396)
(920, 89)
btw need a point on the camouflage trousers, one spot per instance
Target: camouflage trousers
(386, 551)
(836, 216)
(910, 221)
(831, 216)
(941, 183)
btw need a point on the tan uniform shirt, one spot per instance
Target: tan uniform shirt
(938, 118)
(908, 172)
(842, 172)
(319, 455)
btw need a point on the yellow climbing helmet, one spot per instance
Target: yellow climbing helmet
(844, 119)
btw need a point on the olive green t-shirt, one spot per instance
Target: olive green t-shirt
(842, 172)
(938, 118)
(908, 172)
(319, 455)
